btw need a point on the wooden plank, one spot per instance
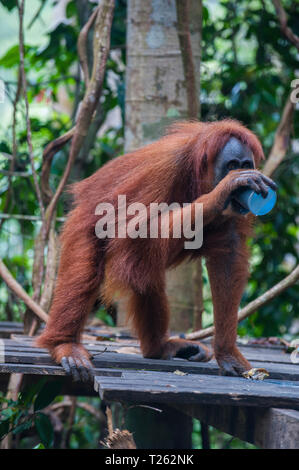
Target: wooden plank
(186, 380)
(9, 348)
(134, 361)
(19, 348)
(31, 369)
(266, 428)
(117, 343)
(6, 331)
(165, 387)
(16, 329)
(127, 361)
(249, 343)
(96, 333)
(28, 357)
(252, 355)
(10, 323)
(35, 369)
(269, 346)
(168, 395)
(22, 339)
(277, 429)
(265, 355)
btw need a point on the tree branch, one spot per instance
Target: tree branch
(51, 268)
(81, 45)
(281, 140)
(32, 218)
(193, 112)
(282, 17)
(20, 292)
(51, 149)
(101, 44)
(37, 14)
(98, 414)
(183, 29)
(10, 173)
(262, 300)
(28, 125)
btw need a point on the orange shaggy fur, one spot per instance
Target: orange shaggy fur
(177, 168)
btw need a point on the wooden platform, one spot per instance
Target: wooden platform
(123, 375)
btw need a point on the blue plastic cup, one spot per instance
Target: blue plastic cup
(255, 203)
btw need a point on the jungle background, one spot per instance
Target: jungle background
(242, 64)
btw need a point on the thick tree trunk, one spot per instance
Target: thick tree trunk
(156, 96)
(155, 84)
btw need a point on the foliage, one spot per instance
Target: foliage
(22, 414)
(53, 79)
(86, 428)
(247, 67)
(275, 250)
(218, 439)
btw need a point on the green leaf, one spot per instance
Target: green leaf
(11, 57)
(22, 427)
(44, 429)
(39, 446)
(47, 395)
(7, 413)
(205, 13)
(4, 427)
(9, 4)
(27, 395)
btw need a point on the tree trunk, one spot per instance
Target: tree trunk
(156, 96)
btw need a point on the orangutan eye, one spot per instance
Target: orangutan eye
(247, 164)
(233, 165)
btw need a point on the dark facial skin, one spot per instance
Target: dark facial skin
(237, 156)
(234, 156)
